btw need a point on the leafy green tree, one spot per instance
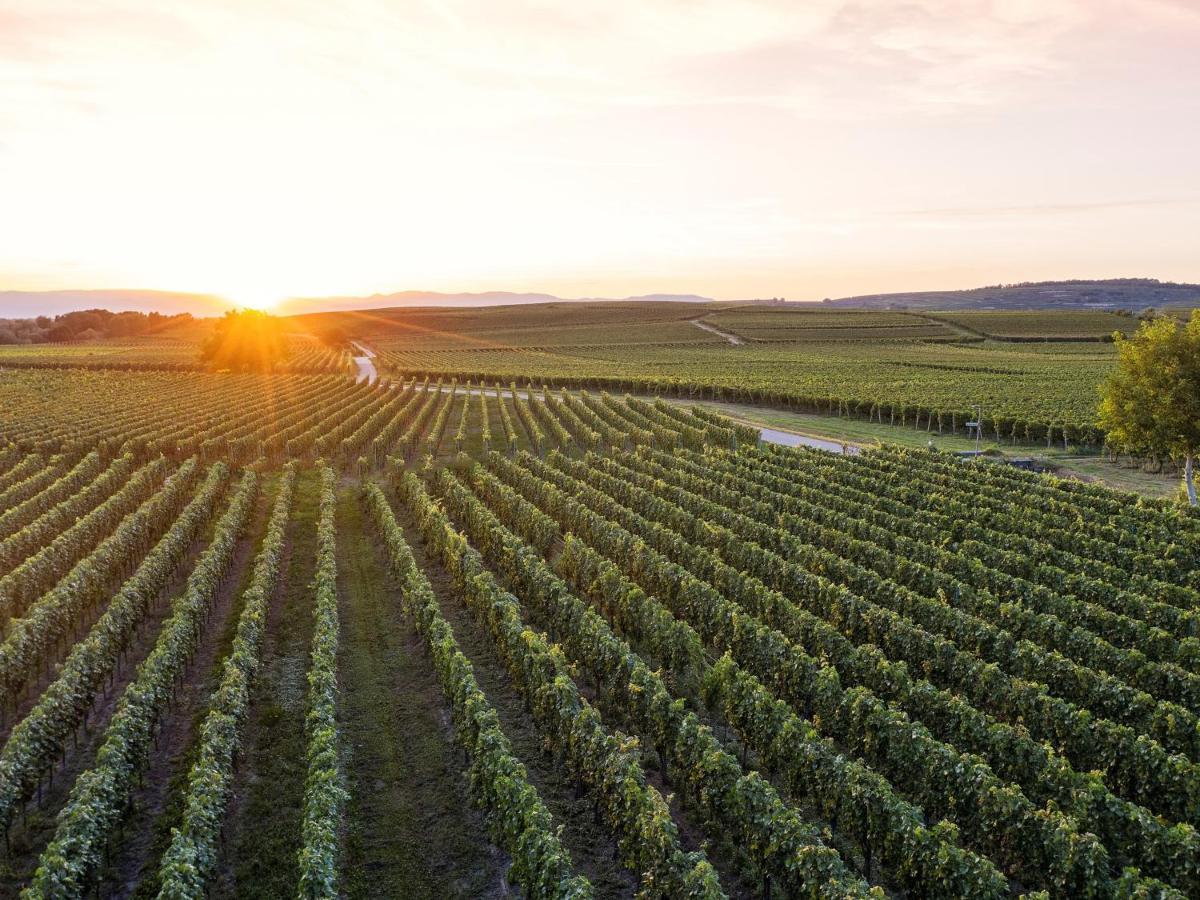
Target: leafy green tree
(1151, 403)
(245, 340)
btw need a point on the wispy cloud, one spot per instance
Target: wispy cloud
(1037, 209)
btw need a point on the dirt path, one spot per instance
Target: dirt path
(262, 832)
(796, 439)
(366, 366)
(713, 329)
(134, 870)
(411, 827)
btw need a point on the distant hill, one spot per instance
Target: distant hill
(27, 304)
(1133, 294)
(411, 299)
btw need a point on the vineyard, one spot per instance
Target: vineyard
(305, 355)
(438, 635)
(1035, 374)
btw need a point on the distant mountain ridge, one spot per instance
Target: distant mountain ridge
(1133, 294)
(400, 299)
(28, 304)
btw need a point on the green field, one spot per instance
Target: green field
(1034, 325)
(1023, 392)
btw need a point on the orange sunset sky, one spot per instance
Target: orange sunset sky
(259, 149)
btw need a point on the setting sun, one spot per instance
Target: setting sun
(252, 298)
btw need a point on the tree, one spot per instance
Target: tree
(1151, 403)
(60, 333)
(245, 340)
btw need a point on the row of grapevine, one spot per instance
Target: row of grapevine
(16, 494)
(580, 433)
(717, 430)
(431, 396)
(745, 435)
(1138, 525)
(100, 795)
(608, 435)
(1156, 559)
(1134, 764)
(377, 398)
(506, 422)
(521, 403)
(544, 411)
(433, 440)
(660, 435)
(520, 822)
(396, 424)
(1116, 615)
(1121, 684)
(53, 520)
(40, 571)
(647, 838)
(930, 625)
(10, 455)
(31, 639)
(382, 415)
(40, 739)
(324, 792)
(460, 433)
(630, 434)
(1124, 826)
(27, 467)
(261, 420)
(187, 866)
(1009, 525)
(864, 804)
(485, 418)
(774, 835)
(20, 511)
(914, 394)
(651, 415)
(1042, 846)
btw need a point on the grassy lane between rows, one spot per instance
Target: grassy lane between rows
(593, 851)
(156, 804)
(263, 823)
(411, 828)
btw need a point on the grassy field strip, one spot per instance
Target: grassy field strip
(590, 843)
(262, 830)
(411, 828)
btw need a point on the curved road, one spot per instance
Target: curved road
(366, 368)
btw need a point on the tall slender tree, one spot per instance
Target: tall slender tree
(1151, 402)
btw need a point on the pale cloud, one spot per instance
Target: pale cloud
(1053, 208)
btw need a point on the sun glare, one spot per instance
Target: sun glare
(252, 298)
